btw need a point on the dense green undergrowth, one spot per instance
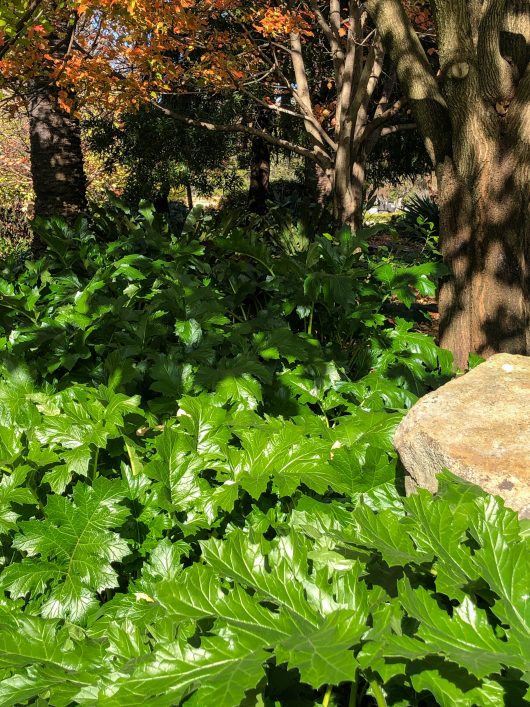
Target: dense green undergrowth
(200, 503)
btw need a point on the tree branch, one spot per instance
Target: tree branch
(20, 27)
(382, 118)
(303, 95)
(414, 74)
(314, 155)
(332, 38)
(292, 113)
(495, 73)
(369, 80)
(400, 127)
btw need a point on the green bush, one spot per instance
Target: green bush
(421, 220)
(15, 234)
(423, 208)
(199, 495)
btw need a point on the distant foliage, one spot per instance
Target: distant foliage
(419, 210)
(15, 233)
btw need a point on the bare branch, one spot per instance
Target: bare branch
(316, 156)
(400, 127)
(389, 113)
(415, 76)
(324, 26)
(302, 93)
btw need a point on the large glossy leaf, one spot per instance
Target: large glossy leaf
(77, 546)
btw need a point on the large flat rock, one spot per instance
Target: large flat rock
(478, 427)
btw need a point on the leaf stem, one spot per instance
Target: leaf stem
(94, 472)
(327, 696)
(310, 326)
(378, 693)
(352, 702)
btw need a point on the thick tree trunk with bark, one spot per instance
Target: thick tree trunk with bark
(348, 196)
(484, 306)
(475, 121)
(57, 164)
(56, 158)
(260, 168)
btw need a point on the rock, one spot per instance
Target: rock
(476, 426)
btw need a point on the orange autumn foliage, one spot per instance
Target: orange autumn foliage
(124, 53)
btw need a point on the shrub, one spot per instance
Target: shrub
(199, 495)
(15, 233)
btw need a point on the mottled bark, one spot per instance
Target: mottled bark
(475, 120)
(348, 195)
(324, 185)
(484, 305)
(57, 165)
(56, 157)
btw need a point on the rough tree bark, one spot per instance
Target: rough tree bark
(475, 120)
(57, 166)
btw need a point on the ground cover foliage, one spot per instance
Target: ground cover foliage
(199, 500)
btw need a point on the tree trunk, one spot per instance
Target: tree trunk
(324, 184)
(57, 167)
(189, 196)
(260, 168)
(161, 203)
(475, 121)
(348, 197)
(484, 306)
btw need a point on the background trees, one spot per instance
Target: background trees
(320, 64)
(158, 156)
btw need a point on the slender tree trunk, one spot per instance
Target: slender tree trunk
(189, 196)
(358, 175)
(259, 176)
(324, 184)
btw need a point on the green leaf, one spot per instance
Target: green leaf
(221, 670)
(465, 638)
(12, 490)
(502, 562)
(288, 457)
(75, 539)
(189, 331)
(246, 391)
(452, 686)
(10, 445)
(386, 533)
